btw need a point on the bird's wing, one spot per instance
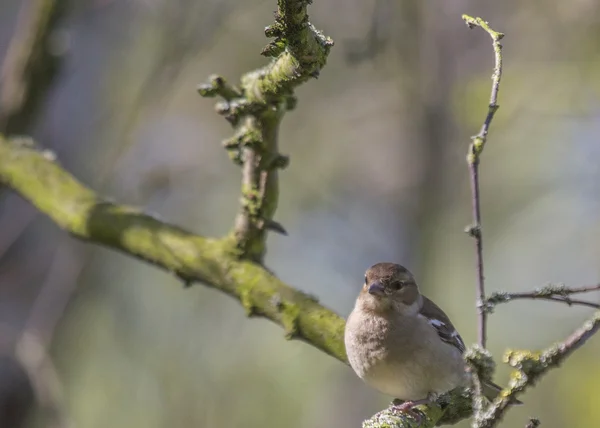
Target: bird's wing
(447, 333)
(442, 324)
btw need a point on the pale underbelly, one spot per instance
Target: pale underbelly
(412, 381)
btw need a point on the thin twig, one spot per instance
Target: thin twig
(554, 293)
(475, 150)
(532, 365)
(573, 290)
(475, 232)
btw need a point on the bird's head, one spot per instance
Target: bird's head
(389, 286)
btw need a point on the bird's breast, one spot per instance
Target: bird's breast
(366, 339)
(404, 358)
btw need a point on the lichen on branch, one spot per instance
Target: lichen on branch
(255, 109)
(531, 366)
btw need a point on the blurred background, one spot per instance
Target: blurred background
(378, 173)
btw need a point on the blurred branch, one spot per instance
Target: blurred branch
(357, 51)
(33, 357)
(475, 149)
(530, 366)
(26, 74)
(29, 65)
(555, 293)
(31, 354)
(256, 109)
(31, 349)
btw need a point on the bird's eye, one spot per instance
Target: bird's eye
(396, 285)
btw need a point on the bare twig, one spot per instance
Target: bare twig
(556, 293)
(530, 366)
(475, 150)
(473, 155)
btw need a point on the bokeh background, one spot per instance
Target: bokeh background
(378, 173)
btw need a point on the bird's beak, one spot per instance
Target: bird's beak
(376, 289)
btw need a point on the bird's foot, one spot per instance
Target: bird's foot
(407, 407)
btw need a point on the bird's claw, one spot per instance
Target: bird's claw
(408, 408)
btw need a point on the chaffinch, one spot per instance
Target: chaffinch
(401, 343)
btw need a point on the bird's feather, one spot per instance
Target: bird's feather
(440, 321)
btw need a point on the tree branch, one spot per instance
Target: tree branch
(530, 366)
(31, 354)
(473, 157)
(256, 109)
(448, 409)
(37, 177)
(556, 293)
(475, 149)
(30, 64)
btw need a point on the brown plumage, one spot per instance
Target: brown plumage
(401, 343)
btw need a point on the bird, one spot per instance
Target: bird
(403, 344)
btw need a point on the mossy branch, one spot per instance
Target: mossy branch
(256, 107)
(448, 409)
(531, 366)
(77, 209)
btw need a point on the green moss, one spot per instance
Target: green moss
(246, 300)
(290, 313)
(256, 110)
